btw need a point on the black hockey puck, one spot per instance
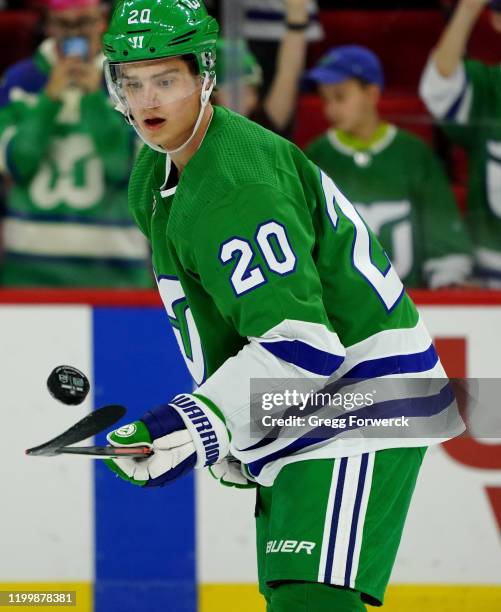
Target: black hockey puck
(68, 385)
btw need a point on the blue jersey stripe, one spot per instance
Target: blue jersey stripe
(409, 407)
(395, 364)
(485, 272)
(453, 110)
(304, 356)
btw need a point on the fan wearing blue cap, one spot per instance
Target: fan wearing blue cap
(391, 176)
(350, 80)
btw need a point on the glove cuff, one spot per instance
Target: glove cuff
(206, 426)
(162, 420)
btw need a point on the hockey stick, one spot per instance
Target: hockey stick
(103, 452)
(89, 426)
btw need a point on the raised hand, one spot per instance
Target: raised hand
(296, 11)
(62, 77)
(475, 5)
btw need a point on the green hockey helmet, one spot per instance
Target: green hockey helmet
(152, 29)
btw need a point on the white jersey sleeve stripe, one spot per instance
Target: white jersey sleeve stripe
(312, 342)
(387, 343)
(446, 97)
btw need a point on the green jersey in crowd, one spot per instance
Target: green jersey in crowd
(398, 186)
(468, 105)
(267, 271)
(67, 222)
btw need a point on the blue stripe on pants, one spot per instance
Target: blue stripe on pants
(335, 518)
(356, 514)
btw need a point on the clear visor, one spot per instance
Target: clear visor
(150, 84)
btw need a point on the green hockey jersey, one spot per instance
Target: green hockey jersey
(267, 271)
(67, 222)
(468, 106)
(397, 185)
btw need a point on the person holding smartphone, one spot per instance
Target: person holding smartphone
(68, 156)
(465, 96)
(76, 28)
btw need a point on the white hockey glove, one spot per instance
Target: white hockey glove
(187, 433)
(231, 473)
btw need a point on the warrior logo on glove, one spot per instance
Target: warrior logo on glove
(188, 433)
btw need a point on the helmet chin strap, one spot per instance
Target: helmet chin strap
(204, 100)
(205, 95)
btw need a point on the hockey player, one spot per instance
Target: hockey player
(464, 95)
(266, 271)
(390, 175)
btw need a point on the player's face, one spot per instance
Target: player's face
(164, 99)
(249, 98)
(348, 104)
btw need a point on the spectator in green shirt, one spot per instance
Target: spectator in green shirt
(390, 175)
(68, 155)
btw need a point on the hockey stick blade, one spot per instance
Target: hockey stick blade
(90, 425)
(103, 452)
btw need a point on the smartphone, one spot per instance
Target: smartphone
(495, 6)
(76, 46)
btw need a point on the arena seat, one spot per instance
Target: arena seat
(406, 111)
(18, 34)
(402, 39)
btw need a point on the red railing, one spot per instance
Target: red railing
(143, 298)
